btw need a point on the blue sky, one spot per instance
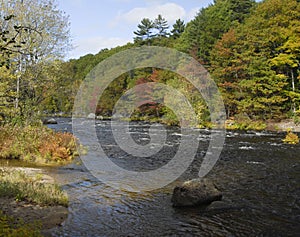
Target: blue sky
(102, 24)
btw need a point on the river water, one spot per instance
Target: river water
(258, 175)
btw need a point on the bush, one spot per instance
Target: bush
(36, 144)
(296, 119)
(291, 138)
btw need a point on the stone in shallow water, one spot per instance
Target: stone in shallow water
(91, 116)
(195, 192)
(49, 121)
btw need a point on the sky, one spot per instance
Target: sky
(99, 24)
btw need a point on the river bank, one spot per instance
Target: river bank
(30, 201)
(47, 217)
(257, 173)
(284, 125)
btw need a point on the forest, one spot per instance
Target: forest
(251, 50)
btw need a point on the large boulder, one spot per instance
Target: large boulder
(195, 192)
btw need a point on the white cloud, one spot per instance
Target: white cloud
(94, 45)
(192, 13)
(170, 11)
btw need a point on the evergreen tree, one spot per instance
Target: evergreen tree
(145, 30)
(210, 24)
(161, 25)
(178, 28)
(240, 9)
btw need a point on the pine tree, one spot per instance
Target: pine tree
(145, 30)
(161, 25)
(210, 24)
(178, 28)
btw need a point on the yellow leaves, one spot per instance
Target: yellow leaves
(281, 76)
(284, 59)
(291, 138)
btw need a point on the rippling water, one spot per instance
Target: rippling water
(258, 175)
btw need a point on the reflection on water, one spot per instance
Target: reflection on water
(259, 177)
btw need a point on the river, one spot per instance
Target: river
(258, 175)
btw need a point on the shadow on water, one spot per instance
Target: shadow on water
(258, 175)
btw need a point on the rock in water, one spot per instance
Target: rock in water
(49, 121)
(195, 192)
(91, 116)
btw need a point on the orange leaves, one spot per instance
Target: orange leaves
(58, 146)
(36, 144)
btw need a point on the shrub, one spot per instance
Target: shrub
(291, 138)
(36, 144)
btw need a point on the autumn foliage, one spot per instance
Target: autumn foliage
(36, 144)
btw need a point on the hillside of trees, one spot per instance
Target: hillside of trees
(251, 50)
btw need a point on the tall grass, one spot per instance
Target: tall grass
(20, 186)
(23, 187)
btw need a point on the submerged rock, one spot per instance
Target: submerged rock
(195, 192)
(49, 121)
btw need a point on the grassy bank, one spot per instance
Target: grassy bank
(245, 125)
(37, 144)
(20, 186)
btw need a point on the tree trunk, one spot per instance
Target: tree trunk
(18, 93)
(293, 88)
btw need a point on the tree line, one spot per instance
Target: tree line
(251, 49)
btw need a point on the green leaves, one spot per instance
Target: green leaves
(145, 30)
(178, 28)
(261, 58)
(251, 49)
(210, 24)
(157, 30)
(32, 33)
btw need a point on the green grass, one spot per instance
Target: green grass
(246, 125)
(20, 186)
(23, 187)
(11, 228)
